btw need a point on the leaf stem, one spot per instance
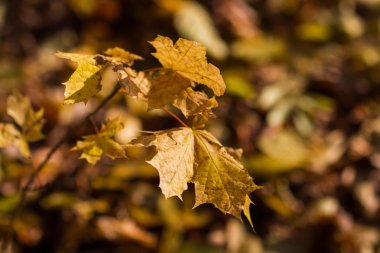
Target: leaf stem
(34, 175)
(175, 116)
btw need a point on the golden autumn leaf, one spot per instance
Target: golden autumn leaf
(95, 145)
(155, 91)
(219, 178)
(186, 155)
(135, 83)
(188, 59)
(29, 124)
(192, 102)
(10, 136)
(174, 159)
(84, 83)
(165, 88)
(33, 126)
(18, 107)
(30, 121)
(119, 55)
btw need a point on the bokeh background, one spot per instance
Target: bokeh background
(302, 100)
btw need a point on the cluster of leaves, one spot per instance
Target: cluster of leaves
(183, 155)
(302, 82)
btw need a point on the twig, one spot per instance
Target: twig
(175, 116)
(26, 188)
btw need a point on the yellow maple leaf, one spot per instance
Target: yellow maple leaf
(84, 83)
(174, 159)
(165, 88)
(29, 124)
(30, 121)
(188, 59)
(95, 145)
(219, 179)
(186, 155)
(135, 83)
(192, 102)
(119, 55)
(10, 136)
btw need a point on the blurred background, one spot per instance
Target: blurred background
(302, 100)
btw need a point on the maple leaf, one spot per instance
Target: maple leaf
(119, 55)
(84, 83)
(219, 179)
(29, 124)
(174, 159)
(96, 145)
(10, 136)
(135, 83)
(186, 155)
(188, 59)
(192, 102)
(30, 121)
(165, 88)
(156, 92)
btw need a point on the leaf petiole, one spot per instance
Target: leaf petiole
(175, 116)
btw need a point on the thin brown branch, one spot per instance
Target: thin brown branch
(9, 236)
